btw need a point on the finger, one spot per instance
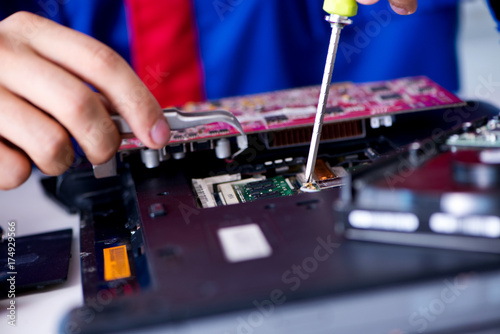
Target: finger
(44, 140)
(367, 2)
(15, 168)
(404, 7)
(105, 102)
(107, 71)
(66, 98)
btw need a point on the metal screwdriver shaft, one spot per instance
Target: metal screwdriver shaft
(323, 98)
(339, 11)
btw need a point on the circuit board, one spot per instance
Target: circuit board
(270, 188)
(487, 136)
(273, 179)
(294, 108)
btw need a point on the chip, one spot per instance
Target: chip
(271, 188)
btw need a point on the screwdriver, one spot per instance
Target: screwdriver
(340, 11)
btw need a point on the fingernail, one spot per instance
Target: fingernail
(399, 10)
(160, 132)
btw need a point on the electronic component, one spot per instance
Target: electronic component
(449, 200)
(204, 191)
(321, 171)
(269, 179)
(487, 136)
(223, 148)
(152, 158)
(425, 89)
(186, 240)
(227, 192)
(157, 210)
(177, 120)
(276, 119)
(392, 96)
(231, 189)
(271, 188)
(293, 110)
(329, 178)
(302, 135)
(336, 180)
(334, 110)
(380, 88)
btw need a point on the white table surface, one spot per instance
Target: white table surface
(34, 213)
(479, 50)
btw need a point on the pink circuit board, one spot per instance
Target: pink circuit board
(296, 107)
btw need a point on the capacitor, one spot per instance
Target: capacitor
(179, 155)
(178, 152)
(223, 148)
(150, 158)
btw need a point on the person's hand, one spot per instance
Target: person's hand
(45, 98)
(402, 7)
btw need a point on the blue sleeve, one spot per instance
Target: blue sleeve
(104, 20)
(261, 45)
(495, 10)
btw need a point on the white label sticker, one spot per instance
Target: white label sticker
(244, 243)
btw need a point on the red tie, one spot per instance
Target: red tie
(164, 49)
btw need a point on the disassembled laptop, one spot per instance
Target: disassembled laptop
(244, 216)
(217, 221)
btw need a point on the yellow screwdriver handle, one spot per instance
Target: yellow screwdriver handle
(341, 7)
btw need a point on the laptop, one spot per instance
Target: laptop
(232, 246)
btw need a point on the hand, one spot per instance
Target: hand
(402, 7)
(45, 70)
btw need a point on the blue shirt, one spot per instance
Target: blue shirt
(262, 45)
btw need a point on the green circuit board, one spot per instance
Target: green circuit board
(269, 188)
